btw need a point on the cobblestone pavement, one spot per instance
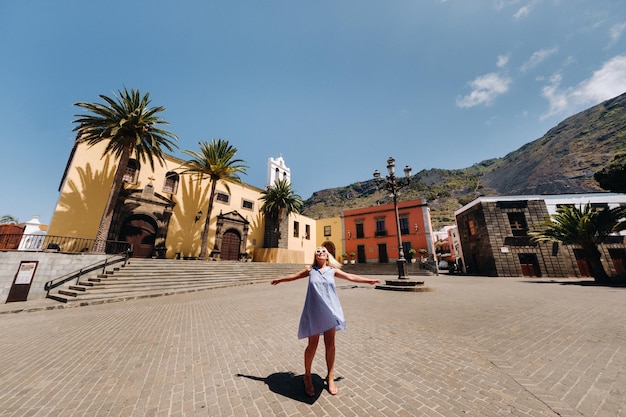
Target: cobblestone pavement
(473, 347)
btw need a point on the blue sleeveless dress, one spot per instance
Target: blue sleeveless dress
(322, 310)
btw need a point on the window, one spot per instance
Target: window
(132, 172)
(247, 204)
(380, 227)
(406, 247)
(327, 231)
(171, 183)
(600, 206)
(404, 225)
(223, 197)
(359, 230)
(307, 232)
(296, 229)
(471, 227)
(517, 221)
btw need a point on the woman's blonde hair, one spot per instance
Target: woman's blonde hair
(330, 260)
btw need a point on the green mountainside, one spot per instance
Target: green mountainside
(562, 161)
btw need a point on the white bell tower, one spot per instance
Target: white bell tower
(276, 169)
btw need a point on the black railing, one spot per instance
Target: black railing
(113, 260)
(64, 244)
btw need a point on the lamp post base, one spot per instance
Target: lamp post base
(402, 271)
(407, 284)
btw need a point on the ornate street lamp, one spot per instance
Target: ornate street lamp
(393, 185)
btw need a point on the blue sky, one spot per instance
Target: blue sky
(335, 87)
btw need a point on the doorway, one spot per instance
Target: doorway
(383, 257)
(231, 242)
(140, 231)
(529, 265)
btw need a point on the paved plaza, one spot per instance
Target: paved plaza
(473, 347)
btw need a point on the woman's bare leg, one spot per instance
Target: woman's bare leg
(309, 354)
(329, 344)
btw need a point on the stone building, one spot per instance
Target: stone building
(494, 235)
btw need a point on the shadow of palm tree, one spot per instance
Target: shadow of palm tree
(290, 385)
(81, 206)
(186, 230)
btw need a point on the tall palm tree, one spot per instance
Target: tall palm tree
(585, 227)
(216, 161)
(279, 199)
(130, 128)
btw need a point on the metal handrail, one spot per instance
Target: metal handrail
(56, 282)
(50, 243)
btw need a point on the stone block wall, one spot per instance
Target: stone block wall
(50, 265)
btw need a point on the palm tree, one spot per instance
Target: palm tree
(279, 199)
(130, 128)
(585, 227)
(216, 162)
(7, 218)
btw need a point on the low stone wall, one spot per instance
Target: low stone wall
(50, 265)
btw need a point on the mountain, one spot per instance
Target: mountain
(562, 161)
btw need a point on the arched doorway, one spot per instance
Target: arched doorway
(231, 242)
(330, 247)
(140, 231)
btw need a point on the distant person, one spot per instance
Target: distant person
(322, 312)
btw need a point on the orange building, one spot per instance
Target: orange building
(371, 233)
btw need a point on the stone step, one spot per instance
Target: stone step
(154, 277)
(151, 277)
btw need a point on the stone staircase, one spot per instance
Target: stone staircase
(143, 278)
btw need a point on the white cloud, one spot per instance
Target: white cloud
(522, 12)
(538, 57)
(484, 90)
(615, 33)
(503, 60)
(605, 83)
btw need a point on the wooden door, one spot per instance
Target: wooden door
(140, 232)
(230, 246)
(383, 257)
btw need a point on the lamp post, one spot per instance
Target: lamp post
(393, 185)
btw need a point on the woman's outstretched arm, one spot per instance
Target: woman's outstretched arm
(292, 277)
(355, 278)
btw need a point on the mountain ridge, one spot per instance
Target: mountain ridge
(562, 161)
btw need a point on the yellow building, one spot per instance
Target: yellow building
(162, 213)
(330, 235)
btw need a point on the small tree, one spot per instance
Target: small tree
(279, 200)
(585, 227)
(6, 218)
(613, 176)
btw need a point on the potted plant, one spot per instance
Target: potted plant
(412, 253)
(344, 257)
(352, 256)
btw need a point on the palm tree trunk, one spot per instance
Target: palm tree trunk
(107, 215)
(597, 269)
(207, 221)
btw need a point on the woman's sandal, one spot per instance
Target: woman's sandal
(333, 390)
(308, 385)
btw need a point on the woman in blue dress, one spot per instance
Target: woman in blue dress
(322, 313)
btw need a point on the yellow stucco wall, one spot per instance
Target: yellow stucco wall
(335, 237)
(88, 181)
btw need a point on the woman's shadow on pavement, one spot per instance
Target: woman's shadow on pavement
(290, 385)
